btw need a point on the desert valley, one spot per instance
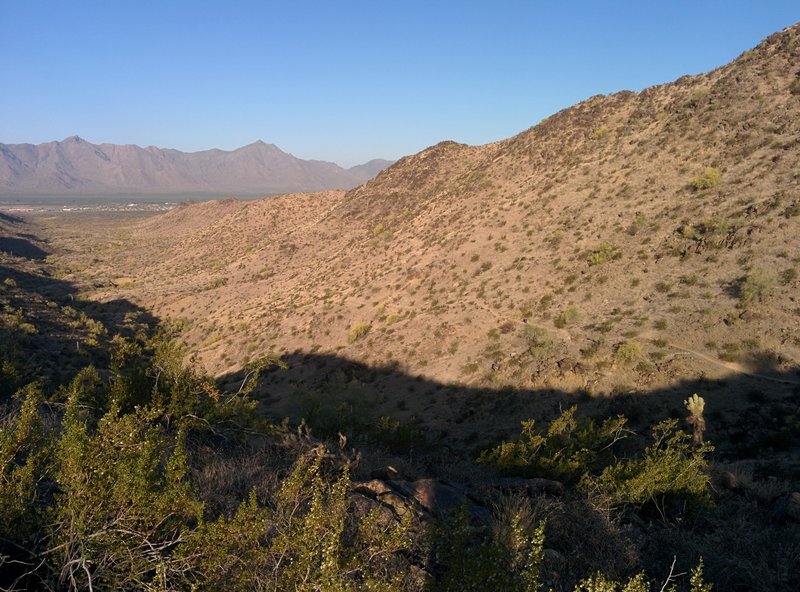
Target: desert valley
(477, 366)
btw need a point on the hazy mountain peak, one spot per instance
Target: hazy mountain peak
(261, 146)
(371, 168)
(75, 166)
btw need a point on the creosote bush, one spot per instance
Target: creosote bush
(628, 352)
(669, 478)
(603, 253)
(756, 287)
(567, 449)
(639, 583)
(710, 177)
(509, 557)
(102, 497)
(668, 475)
(306, 539)
(565, 317)
(358, 332)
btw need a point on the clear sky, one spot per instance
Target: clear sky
(343, 81)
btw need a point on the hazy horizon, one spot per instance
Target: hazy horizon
(343, 83)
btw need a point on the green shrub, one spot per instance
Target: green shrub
(117, 498)
(756, 286)
(669, 476)
(509, 556)
(25, 457)
(603, 253)
(663, 287)
(545, 301)
(567, 449)
(537, 339)
(710, 177)
(358, 332)
(10, 373)
(638, 223)
(639, 583)
(470, 368)
(788, 275)
(730, 352)
(565, 317)
(13, 320)
(600, 583)
(110, 499)
(399, 437)
(341, 405)
(593, 348)
(393, 318)
(628, 352)
(214, 284)
(308, 539)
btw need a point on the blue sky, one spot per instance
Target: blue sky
(343, 81)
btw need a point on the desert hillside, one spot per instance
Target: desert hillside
(624, 243)
(621, 279)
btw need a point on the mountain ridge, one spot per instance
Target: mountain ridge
(75, 166)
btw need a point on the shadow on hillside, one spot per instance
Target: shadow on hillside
(747, 416)
(753, 421)
(19, 244)
(10, 219)
(21, 247)
(48, 332)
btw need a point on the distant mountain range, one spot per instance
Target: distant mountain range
(75, 166)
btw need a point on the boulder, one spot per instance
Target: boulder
(424, 497)
(381, 492)
(438, 498)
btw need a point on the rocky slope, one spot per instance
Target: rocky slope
(638, 242)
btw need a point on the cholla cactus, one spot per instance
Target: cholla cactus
(695, 404)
